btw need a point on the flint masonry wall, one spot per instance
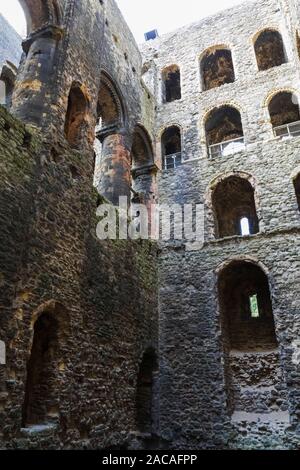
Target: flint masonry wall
(194, 395)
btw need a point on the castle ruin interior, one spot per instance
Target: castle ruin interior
(150, 344)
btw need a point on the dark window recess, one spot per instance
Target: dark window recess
(269, 50)
(171, 84)
(284, 110)
(171, 148)
(233, 202)
(151, 35)
(217, 68)
(75, 124)
(145, 405)
(297, 189)
(41, 372)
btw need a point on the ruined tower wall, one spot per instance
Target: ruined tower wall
(194, 395)
(101, 294)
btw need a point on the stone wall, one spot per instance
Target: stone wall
(10, 44)
(195, 391)
(102, 297)
(101, 294)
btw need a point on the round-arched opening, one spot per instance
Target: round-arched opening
(216, 68)
(224, 131)
(285, 115)
(110, 107)
(41, 402)
(269, 50)
(76, 116)
(234, 208)
(246, 308)
(253, 375)
(171, 84)
(142, 152)
(7, 82)
(39, 13)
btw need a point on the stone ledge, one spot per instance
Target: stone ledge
(40, 429)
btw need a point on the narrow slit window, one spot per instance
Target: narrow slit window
(245, 226)
(254, 308)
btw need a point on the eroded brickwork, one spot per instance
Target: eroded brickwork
(217, 388)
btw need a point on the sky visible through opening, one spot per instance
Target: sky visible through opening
(141, 15)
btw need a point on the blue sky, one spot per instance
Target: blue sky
(141, 15)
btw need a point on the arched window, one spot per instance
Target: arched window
(41, 403)
(224, 131)
(298, 43)
(252, 364)
(216, 68)
(269, 50)
(110, 118)
(39, 13)
(41, 372)
(142, 152)
(145, 400)
(284, 114)
(143, 168)
(297, 189)
(171, 84)
(76, 117)
(171, 148)
(7, 81)
(234, 208)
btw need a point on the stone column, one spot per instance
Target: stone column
(145, 190)
(115, 166)
(35, 81)
(144, 183)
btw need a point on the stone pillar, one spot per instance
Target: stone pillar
(115, 166)
(145, 190)
(34, 83)
(144, 184)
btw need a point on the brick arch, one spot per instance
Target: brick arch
(38, 13)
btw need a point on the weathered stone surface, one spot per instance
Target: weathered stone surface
(212, 385)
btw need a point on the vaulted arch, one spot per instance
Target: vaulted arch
(38, 13)
(41, 401)
(254, 380)
(269, 49)
(113, 144)
(224, 131)
(285, 114)
(142, 150)
(110, 109)
(216, 67)
(145, 399)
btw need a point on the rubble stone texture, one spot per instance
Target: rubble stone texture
(141, 344)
